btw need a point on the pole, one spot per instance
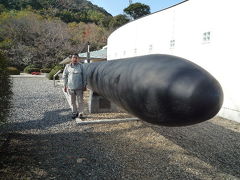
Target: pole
(88, 52)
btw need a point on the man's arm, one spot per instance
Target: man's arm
(65, 78)
(84, 76)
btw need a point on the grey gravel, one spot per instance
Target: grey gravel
(38, 107)
(42, 142)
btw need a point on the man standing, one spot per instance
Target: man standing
(74, 77)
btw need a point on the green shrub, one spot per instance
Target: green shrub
(13, 71)
(54, 71)
(45, 70)
(5, 90)
(3, 67)
(26, 69)
(30, 70)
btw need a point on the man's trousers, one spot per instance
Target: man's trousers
(76, 100)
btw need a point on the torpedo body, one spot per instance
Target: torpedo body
(159, 89)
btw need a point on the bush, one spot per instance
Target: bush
(54, 71)
(5, 90)
(30, 70)
(13, 71)
(26, 69)
(45, 70)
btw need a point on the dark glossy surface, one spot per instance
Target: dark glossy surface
(160, 89)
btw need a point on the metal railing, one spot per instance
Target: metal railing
(54, 77)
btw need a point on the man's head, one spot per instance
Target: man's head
(74, 58)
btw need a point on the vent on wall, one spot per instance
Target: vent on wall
(150, 48)
(135, 51)
(206, 37)
(172, 43)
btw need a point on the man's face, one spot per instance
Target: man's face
(74, 59)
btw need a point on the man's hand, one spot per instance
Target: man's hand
(65, 89)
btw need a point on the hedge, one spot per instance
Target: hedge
(26, 69)
(54, 71)
(45, 70)
(13, 71)
(5, 90)
(30, 70)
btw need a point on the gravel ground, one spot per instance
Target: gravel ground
(42, 142)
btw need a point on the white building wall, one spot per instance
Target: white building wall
(179, 31)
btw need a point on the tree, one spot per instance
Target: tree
(43, 37)
(28, 38)
(66, 16)
(105, 22)
(5, 90)
(137, 10)
(2, 8)
(82, 33)
(118, 21)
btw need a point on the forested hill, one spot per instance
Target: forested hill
(66, 10)
(72, 5)
(44, 32)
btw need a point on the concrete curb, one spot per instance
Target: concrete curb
(28, 76)
(103, 121)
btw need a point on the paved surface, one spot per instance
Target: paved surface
(42, 142)
(25, 75)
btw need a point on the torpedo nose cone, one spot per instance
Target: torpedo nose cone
(194, 97)
(207, 99)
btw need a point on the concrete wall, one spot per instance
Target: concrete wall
(206, 32)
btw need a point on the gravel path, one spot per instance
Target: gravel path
(42, 142)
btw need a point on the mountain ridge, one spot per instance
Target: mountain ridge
(70, 5)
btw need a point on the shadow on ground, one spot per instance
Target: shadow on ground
(213, 144)
(50, 119)
(123, 151)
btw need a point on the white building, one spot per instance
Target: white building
(206, 32)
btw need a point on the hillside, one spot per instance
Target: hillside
(43, 32)
(66, 10)
(71, 5)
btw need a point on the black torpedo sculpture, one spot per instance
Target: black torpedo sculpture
(160, 89)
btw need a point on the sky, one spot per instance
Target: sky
(116, 7)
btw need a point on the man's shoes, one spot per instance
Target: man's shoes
(80, 115)
(74, 115)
